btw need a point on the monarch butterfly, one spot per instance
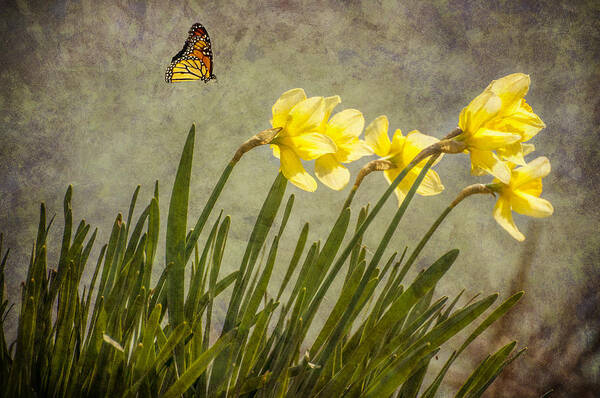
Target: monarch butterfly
(194, 61)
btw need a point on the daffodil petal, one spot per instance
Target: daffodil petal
(489, 140)
(330, 104)
(306, 116)
(347, 123)
(402, 188)
(477, 171)
(527, 148)
(513, 153)
(511, 89)
(489, 162)
(532, 187)
(331, 173)
(292, 169)
(284, 104)
(415, 143)
(530, 205)
(431, 184)
(526, 122)
(352, 151)
(397, 147)
(503, 216)
(276, 151)
(310, 146)
(376, 136)
(537, 168)
(482, 109)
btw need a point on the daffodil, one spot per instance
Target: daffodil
(499, 120)
(300, 119)
(522, 195)
(400, 152)
(344, 129)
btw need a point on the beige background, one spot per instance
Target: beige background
(84, 102)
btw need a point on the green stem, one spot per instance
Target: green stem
(210, 204)
(468, 191)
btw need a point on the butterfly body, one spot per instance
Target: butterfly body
(194, 61)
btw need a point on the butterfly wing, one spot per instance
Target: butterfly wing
(187, 68)
(194, 61)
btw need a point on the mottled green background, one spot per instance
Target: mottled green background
(84, 102)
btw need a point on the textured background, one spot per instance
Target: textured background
(83, 102)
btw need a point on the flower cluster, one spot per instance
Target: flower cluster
(493, 129)
(309, 133)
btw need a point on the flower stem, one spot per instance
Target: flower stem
(262, 138)
(373, 165)
(466, 192)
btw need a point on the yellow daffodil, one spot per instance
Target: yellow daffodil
(400, 152)
(522, 195)
(343, 128)
(300, 138)
(499, 120)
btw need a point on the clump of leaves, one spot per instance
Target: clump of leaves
(110, 337)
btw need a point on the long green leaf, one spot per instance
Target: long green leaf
(175, 240)
(399, 308)
(489, 320)
(199, 366)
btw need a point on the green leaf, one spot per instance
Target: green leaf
(175, 240)
(131, 208)
(397, 373)
(198, 367)
(191, 242)
(491, 375)
(167, 348)
(196, 285)
(152, 241)
(398, 309)
(258, 236)
(339, 307)
(295, 259)
(486, 369)
(489, 320)
(326, 256)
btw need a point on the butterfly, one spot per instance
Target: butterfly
(195, 60)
